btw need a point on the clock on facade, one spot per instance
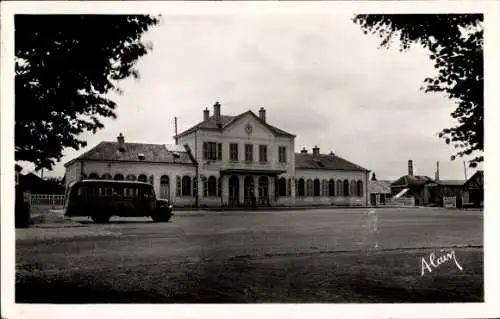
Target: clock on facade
(248, 129)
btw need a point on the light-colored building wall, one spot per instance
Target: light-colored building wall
(335, 175)
(157, 170)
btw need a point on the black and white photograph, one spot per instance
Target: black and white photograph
(249, 153)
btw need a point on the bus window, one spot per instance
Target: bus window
(82, 191)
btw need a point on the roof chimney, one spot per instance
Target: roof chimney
(262, 114)
(217, 113)
(437, 171)
(315, 151)
(303, 150)
(206, 114)
(410, 167)
(332, 154)
(121, 142)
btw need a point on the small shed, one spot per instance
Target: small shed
(380, 192)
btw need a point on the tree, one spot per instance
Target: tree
(374, 178)
(455, 42)
(65, 67)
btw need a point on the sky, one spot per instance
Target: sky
(317, 75)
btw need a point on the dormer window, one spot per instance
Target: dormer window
(141, 156)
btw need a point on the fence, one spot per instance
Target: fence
(44, 199)
(402, 201)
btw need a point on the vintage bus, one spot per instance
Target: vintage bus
(101, 199)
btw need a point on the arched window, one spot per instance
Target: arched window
(317, 187)
(93, 176)
(282, 187)
(352, 189)
(331, 187)
(324, 187)
(340, 188)
(212, 186)
(143, 178)
(359, 185)
(186, 186)
(107, 176)
(164, 187)
(289, 189)
(301, 187)
(119, 177)
(131, 177)
(309, 187)
(346, 187)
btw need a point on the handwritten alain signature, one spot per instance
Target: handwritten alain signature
(436, 262)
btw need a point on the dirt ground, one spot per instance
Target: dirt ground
(337, 255)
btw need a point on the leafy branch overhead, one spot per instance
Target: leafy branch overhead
(455, 42)
(65, 66)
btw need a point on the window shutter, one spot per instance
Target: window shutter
(219, 187)
(205, 150)
(219, 151)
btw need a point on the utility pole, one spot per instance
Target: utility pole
(175, 123)
(465, 171)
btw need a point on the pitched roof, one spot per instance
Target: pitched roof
(450, 182)
(226, 120)
(159, 153)
(412, 180)
(379, 187)
(323, 161)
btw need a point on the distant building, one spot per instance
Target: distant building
(413, 186)
(445, 188)
(380, 192)
(229, 161)
(474, 190)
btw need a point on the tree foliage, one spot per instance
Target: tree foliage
(65, 66)
(455, 42)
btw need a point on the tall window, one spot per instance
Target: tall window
(282, 154)
(186, 186)
(340, 189)
(309, 189)
(249, 152)
(119, 177)
(106, 176)
(212, 151)
(262, 153)
(301, 187)
(359, 188)
(143, 178)
(282, 187)
(331, 187)
(130, 177)
(324, 187)
(212, 186)
(317, 187)
(352, 189)
(233, 152)
(346, 187)
(93, 176)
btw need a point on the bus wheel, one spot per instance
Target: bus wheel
(100, 219)
(160, 216)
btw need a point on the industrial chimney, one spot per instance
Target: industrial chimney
(206, 114)
(410, 167)
(437, 171)
(262, 114)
